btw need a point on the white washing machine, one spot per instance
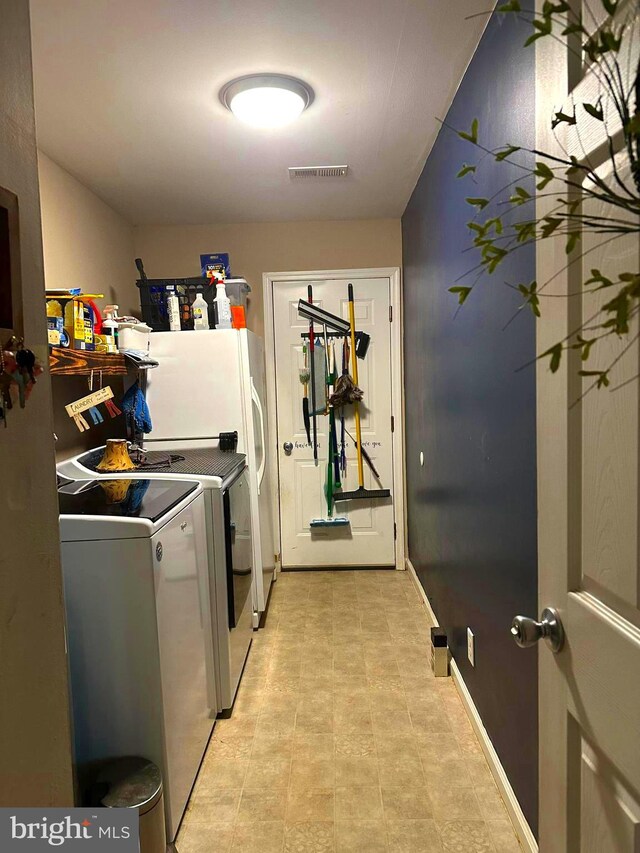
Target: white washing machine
(224, 478)
(134, 560)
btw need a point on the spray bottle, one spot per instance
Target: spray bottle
(173, 308)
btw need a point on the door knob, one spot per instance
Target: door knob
(287, 447)
(526, 632)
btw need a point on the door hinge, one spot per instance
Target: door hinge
(391, 313)
(395, 530)
(393, 423)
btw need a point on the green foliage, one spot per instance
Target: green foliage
(525, 230)
(520, 196)
(507, 152)
(574, 28)
(584, 345)
(632, 127)
(563, 118)
(555, 356)
(596, 110)
(472, 136)
(599, 279)
(606, 40)
(543, 27)
(480, 203)
(549, 9)
(551, 224)
(531, 297)
(572, 241)
(462, 292)
(603, 377)
(572, 184)
(545, 173)
(511, 6)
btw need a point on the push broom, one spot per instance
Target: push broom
(360, 493)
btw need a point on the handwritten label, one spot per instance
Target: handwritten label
(86, 403)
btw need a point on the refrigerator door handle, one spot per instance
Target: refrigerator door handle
(263, 462)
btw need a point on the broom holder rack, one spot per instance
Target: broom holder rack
(320, 334)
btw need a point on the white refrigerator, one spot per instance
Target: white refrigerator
(209, 382)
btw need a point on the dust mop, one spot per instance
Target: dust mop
(360, 493)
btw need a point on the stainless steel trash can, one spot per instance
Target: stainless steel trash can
(135, 783)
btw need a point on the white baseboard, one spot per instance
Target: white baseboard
(522, 828)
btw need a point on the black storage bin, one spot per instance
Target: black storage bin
(154, 293)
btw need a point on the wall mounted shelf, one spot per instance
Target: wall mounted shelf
(72, 362)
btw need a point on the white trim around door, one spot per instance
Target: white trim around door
(397, 390)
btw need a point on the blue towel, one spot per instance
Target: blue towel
(135, 407)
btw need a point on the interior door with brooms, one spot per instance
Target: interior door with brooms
(332, 345)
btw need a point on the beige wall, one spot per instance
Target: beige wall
(35, 751)
(86, 243)
(255, 248)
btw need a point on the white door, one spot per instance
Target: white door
(368, 540)
(588, 501)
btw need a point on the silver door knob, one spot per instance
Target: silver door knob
(287, 447)
(526, 632)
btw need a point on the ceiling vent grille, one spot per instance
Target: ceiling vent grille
(318, 171)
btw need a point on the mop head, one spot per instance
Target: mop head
(338, 521)
(345, 391)
(362, 494)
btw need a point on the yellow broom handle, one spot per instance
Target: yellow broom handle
(354, 370)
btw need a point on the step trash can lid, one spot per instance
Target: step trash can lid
(130, 783)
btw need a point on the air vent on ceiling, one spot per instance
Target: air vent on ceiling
(318, 171)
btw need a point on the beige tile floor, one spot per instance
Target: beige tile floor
(341, 740)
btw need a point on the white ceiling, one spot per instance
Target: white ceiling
(127, 101)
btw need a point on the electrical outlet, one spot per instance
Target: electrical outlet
(471, 647)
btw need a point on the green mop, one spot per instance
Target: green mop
(330, 520)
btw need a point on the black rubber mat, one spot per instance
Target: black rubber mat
(207, 462)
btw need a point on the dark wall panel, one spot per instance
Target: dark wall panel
(472, 507)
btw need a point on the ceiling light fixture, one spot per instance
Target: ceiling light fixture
(266, 100)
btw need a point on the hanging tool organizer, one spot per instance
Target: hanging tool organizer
(330, 395)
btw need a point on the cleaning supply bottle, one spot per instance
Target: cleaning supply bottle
(110, 328)
(200, 311)
(173, 308)
(224, 307)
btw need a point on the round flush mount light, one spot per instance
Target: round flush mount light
(266, 100)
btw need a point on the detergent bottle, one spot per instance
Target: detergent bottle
(200, 311)
(110, 327)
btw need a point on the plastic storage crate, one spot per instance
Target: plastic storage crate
(154, 293)
(238, 291)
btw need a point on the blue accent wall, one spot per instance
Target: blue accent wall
(472, 507)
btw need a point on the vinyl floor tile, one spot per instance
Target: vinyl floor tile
(341, 740)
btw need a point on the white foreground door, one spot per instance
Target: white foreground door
(368, 540)
(588, 498)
